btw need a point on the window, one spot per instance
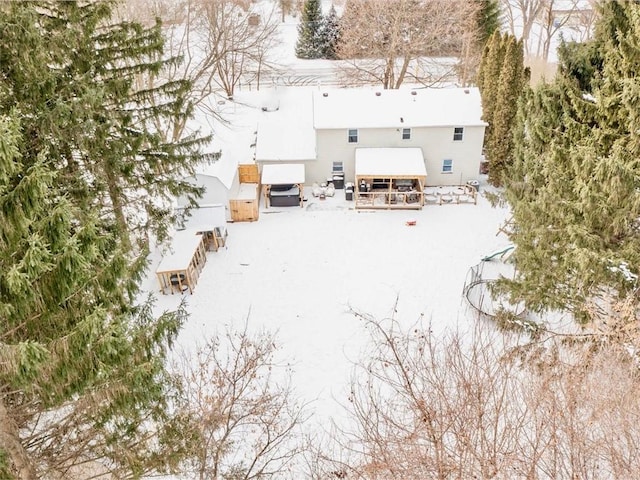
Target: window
(338, 167)
(458, 132)
(406, 134)
(353, 135)
(447, 166)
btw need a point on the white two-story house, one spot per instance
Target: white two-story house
(444, 125)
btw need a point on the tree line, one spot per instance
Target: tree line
(388, 42)
(571, 178)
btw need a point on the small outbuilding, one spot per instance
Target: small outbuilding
(244, 203)
(210, 222)
(391, 178)
(282, 185)
(180, 268)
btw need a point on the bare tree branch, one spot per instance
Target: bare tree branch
(247, 420)
(382, 40)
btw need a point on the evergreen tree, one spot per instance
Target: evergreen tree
(488, 20)
(330, 34)
(501, 79)
(309, 44)
(573, 187)
(581, 61)
(492, 67)
(109, 124)
(482, 67)
(82, 375)
(511, 81)
(584, 61)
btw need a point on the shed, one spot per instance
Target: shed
(244, 202)
(392, 178)
(282, 185)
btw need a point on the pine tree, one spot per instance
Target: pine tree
(581, 61)
(511, 81)
(82, 375)
(488, 20)
(330, 34)
(110, 124)
(573, 187)
(309, 31)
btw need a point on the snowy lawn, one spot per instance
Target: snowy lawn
(299, 272)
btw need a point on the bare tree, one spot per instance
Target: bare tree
(287, 7)
(484, 405)
(471, 48)
(556, 15)
(522, 16)
(388, 41)
(246, 420)
(239, 37)
(216, 45)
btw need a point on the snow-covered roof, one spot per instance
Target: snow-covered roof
(281, 174)
(285, 130)
(382, 162)
(183, 245)
(234, 138)
(246, 191)
(206, 217)
(224, 169)
(378, 108)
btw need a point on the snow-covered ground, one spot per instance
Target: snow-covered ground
(301, 272)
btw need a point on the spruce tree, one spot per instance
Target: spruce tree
(109, 124)
(309, 44)
(573, 186)
(82, 376)
(488, 20)
(330, 34)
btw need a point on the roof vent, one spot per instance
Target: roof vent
(325, 94)
(413, 92)
(378, 94)
(466, 90)
(401, 120)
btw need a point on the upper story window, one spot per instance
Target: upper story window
(458, 133)
(353, 135)
(447, 165)
(406, 134)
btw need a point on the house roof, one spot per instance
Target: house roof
(285, 128)
(224, 169)
(394, 162)
(282, 174)
(378, 108)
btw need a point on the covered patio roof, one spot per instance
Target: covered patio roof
(290, 175)
(282, 174)
(390, 178)
(390, 162)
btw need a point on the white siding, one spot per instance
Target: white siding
(436, 143)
